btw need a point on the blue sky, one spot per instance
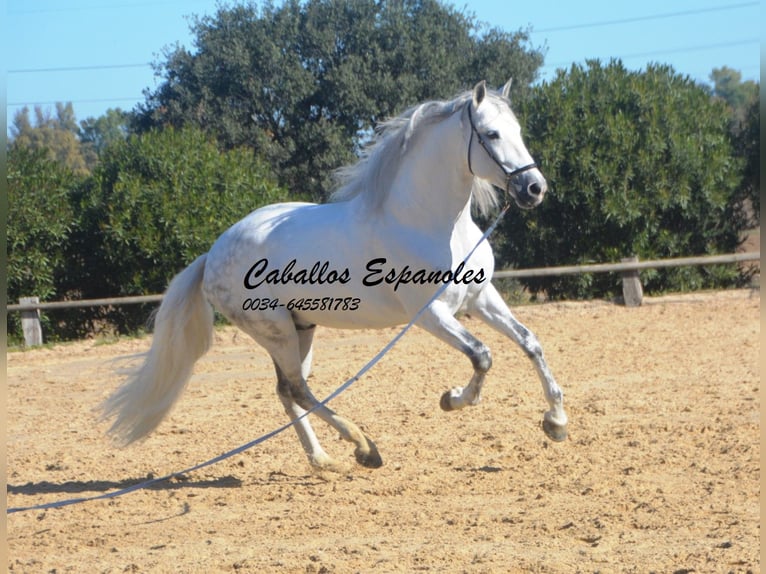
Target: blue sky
(95, 53)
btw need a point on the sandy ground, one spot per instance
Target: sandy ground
(660, 473)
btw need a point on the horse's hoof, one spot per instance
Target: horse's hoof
(556, 433)
(445, 403)
(371, 459)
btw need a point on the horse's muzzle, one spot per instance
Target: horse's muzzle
(528, 190)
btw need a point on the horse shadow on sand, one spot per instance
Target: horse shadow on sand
(99, 486)
(180, 481)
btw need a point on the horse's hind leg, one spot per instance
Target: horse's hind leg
(366, 452)
(491, 308)
(290, 349)
(308, 439)
(298, 399)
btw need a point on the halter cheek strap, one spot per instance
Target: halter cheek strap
(509, 173)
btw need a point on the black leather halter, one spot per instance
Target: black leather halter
(509, 173)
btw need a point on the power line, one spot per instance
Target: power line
(77, 68)
(91, 8)
(672, 51)
(93, 101)
(695, 48)
(645, 18)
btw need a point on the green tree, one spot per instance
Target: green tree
(96, 134)
(748, 143)
(154, 203)
(638, 163)
(304, 83)
(742, 99)
(58, 135)
(739, 95)
(40, 221)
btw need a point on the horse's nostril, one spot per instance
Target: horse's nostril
(535, 189)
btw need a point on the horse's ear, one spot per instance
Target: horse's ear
(507, 89)
(479, 92)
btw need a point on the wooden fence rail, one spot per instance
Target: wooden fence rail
(136, 299)
(628, 265)
(30, 307)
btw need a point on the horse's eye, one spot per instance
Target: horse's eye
(493, 135)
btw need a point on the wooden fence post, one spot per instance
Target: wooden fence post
(30, 323)
(632, 292)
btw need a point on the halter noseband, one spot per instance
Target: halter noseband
(509, 173)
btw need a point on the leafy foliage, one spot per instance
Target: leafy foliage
(304, 83)
(638, 163)
(748, 144)
(742, 99)
(96, 134)
(40, 221)
(57, 136)
(739, 95)
(154, 204)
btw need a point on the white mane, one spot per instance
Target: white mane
(373, 174)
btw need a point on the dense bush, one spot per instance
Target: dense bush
(40, 221)
(748, 145)
(152, 205)
(638, 163)
(155, 202)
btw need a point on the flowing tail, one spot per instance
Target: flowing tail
(183, 332)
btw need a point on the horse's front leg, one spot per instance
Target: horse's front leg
(491, 308)
(439, 321)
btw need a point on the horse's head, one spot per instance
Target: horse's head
(501, 158)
